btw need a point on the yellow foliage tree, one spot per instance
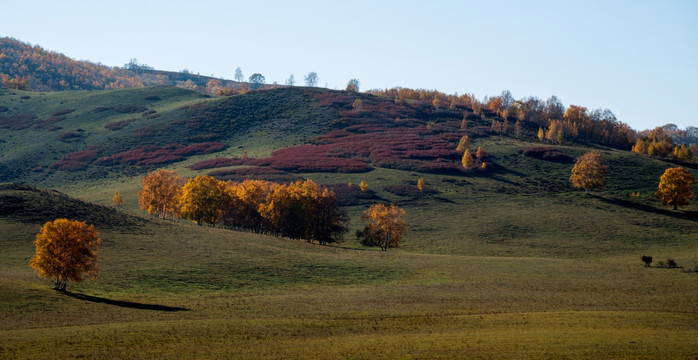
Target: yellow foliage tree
(363, 186)
(675, 187)
(117, 200)
(420, 184)
(161, 192)
(203, 200)
(246, 198)
(541, 134)
(467, 160)
(65, 249)
(463, 144)
(589, 172)
(387, 225)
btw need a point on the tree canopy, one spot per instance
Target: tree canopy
(65, 250)
(387, 225)
(589, 172)
(675, 187)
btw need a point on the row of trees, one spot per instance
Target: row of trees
(659, 143)
(300, 210)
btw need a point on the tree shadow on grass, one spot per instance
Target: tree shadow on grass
(126, 304)
(686, 215)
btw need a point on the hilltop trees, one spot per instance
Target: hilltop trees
(311, 79)
(65, 249)
(353, 85)
(386, 227)
(256, 80)
(238, 75)
(589, 172)
(675, 187)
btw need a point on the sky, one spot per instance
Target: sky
(637, 58)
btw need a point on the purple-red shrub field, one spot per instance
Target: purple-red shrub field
(153, 155)
(75, 161)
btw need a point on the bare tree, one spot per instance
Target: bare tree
(291, 80)
(238, 75)
(311, 79)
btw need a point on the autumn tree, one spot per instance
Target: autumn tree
(589, 172)
(467, 161)
(363, 186)
(117, 200)
(420, 184)
(353, 85)
(160, 193)
(246, 198)
(541, 134)
(203, 200)
(675, 187)
(463, 144)
(386, 227)
(311, 79)
(65, 251)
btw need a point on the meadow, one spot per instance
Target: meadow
(508, 263)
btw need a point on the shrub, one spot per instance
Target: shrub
(63, 112)
(118, 125)
(647, 260)
(69, 136)
(547, 153)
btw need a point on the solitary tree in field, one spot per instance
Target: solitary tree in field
(675, 187)
(589, 172)
(420, 184)
(65, 249)
(311, 79)
(387, 226)
(238, 75)
(117, 200)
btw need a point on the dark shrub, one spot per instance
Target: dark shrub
(548, 153)
(647, 260)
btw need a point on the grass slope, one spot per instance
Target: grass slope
(512, 262)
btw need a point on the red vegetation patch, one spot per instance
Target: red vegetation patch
(75, 161)
(548, 153)
(48, 122)
(153, 155)
(17, 122)
(69, 136)
(118, 125)
(254, 173)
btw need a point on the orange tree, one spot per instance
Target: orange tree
(160, 193)
(589, 172)
(117, 200)
(386, 227)
(65, 249)
(246, 197)
(675, 187)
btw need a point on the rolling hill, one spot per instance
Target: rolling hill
(501, 261)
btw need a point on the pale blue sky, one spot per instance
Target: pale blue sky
(637, 58)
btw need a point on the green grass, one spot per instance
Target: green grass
(513, 263)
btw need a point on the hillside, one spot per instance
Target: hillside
(32, 68)
(504, 259)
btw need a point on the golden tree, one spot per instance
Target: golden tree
(65, 249)
(589, 172)
(541, 134)
(363, 186)
(467, 160)
(463, 144)
(246, 198)
(386, 227)
(420, 184)
(675, 187)
(203, 200)
(160, 193)
(117, 200)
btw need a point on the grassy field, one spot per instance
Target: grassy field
(509, 263)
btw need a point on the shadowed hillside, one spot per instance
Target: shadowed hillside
(28, 204)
